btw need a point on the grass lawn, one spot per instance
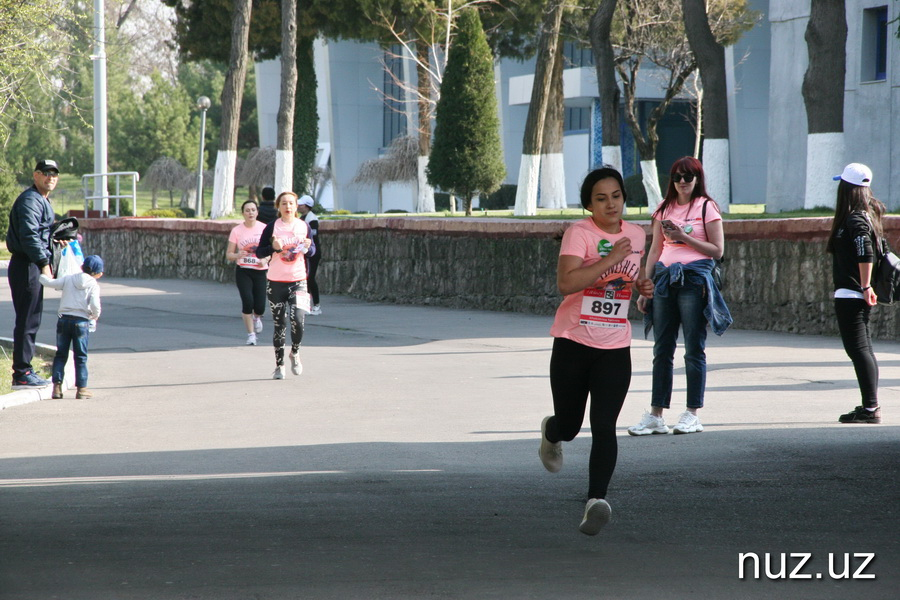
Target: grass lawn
(41, 367)
(69, 195)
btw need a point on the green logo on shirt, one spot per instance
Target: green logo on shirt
(604, 247)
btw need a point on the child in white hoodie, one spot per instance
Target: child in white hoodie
(79, 308)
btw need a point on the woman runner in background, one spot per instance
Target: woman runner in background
(250, 271)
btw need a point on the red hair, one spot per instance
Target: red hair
(685, 164)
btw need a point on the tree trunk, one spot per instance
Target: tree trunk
(526, 193)
(710, 56)
(604, 63)
(232, 96)
(823, 95)
(425, 192)
(647, 138)
(284, 152)
(553, 175)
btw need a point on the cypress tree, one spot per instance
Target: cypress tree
(466, 157)
(306, 117)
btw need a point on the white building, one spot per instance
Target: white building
(766, 111)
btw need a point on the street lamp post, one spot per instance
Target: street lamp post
(203, 103)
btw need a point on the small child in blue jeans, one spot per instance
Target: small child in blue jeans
(79, 309)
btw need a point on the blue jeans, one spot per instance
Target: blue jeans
(683, 307)
(72, 331)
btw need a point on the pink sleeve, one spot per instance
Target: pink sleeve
(712, 211)
(573, 242)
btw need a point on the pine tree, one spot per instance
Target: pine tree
(467, 157)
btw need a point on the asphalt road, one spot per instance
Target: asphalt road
(403, 464)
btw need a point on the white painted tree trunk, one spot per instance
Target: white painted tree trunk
(424, 193)
(223, 184)
(612, 156)
(824, 160)
(526, 192)
(651, 184)
(553, 181)
(284, 172)
(716, 167)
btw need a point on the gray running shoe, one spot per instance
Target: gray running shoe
(597, 513)
(551, 454)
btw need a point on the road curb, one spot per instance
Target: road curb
(19, 397)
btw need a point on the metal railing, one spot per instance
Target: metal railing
(88, 190)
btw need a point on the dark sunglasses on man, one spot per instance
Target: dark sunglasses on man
(687, 177)
(50, 173)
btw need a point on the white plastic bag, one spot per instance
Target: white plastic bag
(68, 264)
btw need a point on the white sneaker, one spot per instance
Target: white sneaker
(316, 310)
(688, 422)
(649, 424)
(278, 373)
(597, 513)
(296, 365)
(251, 339)
(551, 454)
(257, 324)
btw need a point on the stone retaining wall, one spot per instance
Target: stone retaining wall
(778, 276)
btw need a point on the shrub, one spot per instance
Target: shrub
(634, 189)
(502, 199)
(397, 210)
(165, 213)
(441, 201)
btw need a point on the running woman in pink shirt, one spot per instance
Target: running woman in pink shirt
(288, 241)
(599, 266)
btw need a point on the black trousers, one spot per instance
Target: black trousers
(577, 370)
(28, 302)
(251, 285)
(853, 323)
(313, 266)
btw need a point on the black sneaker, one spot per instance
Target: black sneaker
(861, 415)
(28, 381)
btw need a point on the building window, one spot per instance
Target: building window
(577, 119)
(577, 56)
(394, 110)
(874, 44)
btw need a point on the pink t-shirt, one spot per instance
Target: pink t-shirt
(598, 316)
(246, 239)
(690, 218)
(289, 264)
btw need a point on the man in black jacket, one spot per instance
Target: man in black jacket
(267, 211)
(28, 239)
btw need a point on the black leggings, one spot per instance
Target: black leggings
(575, 371)
(283, 302)
(853, 323)
(313, 265)
(251, 285)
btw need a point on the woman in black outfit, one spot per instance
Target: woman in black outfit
(855, 233)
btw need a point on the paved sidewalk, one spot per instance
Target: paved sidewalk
(403, 464)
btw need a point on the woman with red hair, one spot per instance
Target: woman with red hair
(687, 238)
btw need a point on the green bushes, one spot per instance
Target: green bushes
(165, 213)
(634, 189)
(502, 199)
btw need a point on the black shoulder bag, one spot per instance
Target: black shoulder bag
(886, 273)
